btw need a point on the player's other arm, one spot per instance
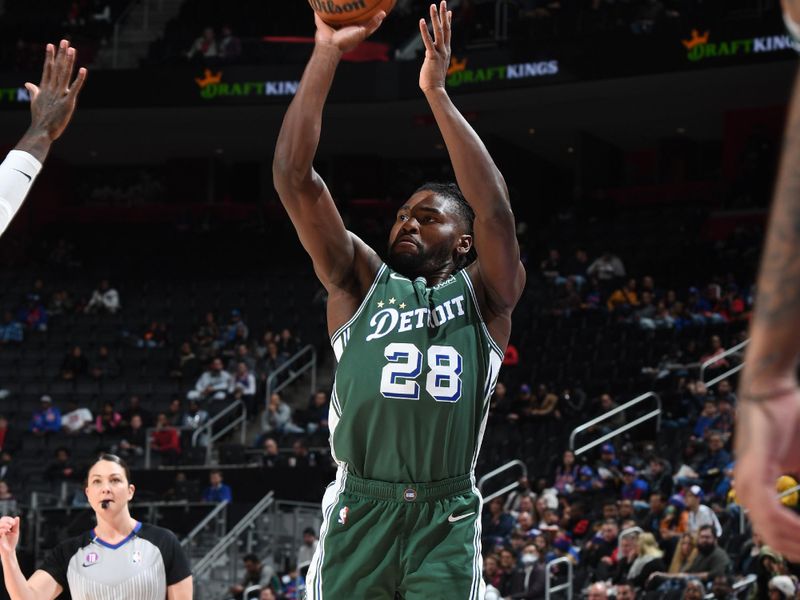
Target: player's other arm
(302, 191)
(41, 585)
(182, 590)
(479, 179)
(52, 105)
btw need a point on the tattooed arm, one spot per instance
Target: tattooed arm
(768, 419)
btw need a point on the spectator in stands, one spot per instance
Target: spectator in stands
(33, 314)
(74, 365)
(154, 335)
(496, 524)
(608, 468)
(725, 390)
(213, 384)
(601, 547)
(515, 497)
(700, 515)
(230, 46)
(713, 465)
(624, 299)
(659, 477)
(587, 481)
(47, 419)
(242, 355)
(11, 330)
(104, 299)
(134, 440)
(694, 589)
(9, 437)
(8, 468)
(649, 559)
(255, 573)
(716, 350)
(651, 522)
(722, 588)
(204, 46)
(551, 267)
(185, 364)
(707, 419)
(624, 591)
(746, 562)
(165, 441)
(109, 420)
(597, 591)
(301, 456)
(272, 361)
(317, 414)
(243, 387)
(135, 408)
(633, 487)
(61, 468)
(175, 412)
(272, 456)
(782, 587)
(675, 522)
(104, 365)
(607, 269)
(711, 560)
(566, 474)
(684, 555)
(205, 336)
(606, 405)
(217, 491)
(235, 331)
(194, 418)
(567, 299)
(576, 268)
(288, 344)
(77, 419)
(493, 575)
(528, 579)
(307, 549)
(279, 417)
(5, 492)
(267, 593)
(61, 303)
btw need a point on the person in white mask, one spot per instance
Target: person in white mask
(53, 103)
(528, 579)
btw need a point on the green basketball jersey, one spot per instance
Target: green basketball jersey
(416, 370)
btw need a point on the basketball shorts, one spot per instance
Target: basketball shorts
(383, 541)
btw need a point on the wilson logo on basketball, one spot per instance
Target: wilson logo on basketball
(332, 8)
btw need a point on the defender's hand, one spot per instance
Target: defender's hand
(437, 50)
(53, 100)
(9, 535)
(346, 38)
(767, 446)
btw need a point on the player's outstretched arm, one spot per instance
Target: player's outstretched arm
(768, 418)
(479, 179)
(53, 103)
(41, 585)
(301, 189)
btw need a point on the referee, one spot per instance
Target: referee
(120, 559)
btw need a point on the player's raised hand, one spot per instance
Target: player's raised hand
(9, 535)
(53, 100)
(346, 38)
(437, 50)
(768, 446)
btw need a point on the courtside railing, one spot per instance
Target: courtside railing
(499, 471)
(212, 524)
(303, 361)
(653, 414)
(715, 359)
(549, 588)
(209, 437)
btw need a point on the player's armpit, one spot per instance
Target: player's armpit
(182, 590)
(43, 586)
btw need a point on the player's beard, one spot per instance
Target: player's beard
(419, 263)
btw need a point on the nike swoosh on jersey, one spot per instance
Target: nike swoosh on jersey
(24, 173)
(400, 277)
(455, 519)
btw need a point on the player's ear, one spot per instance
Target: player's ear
(131, 491)
(464, 244)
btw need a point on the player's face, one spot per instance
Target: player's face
(107, 482)
(426, 235)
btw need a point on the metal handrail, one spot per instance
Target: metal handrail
(717, 358)
(221, 507)
(548, 573)
(149, 441)
(205, 563)
(737, 587)
(497, 471)
(273, 377)
(249, 589)
(622, 429)
(213, 437)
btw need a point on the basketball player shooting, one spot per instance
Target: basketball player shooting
(53, 102)
(768, 419)
(419, 341)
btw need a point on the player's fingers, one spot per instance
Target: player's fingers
(33, 90)
(447, 27)
(65, 73)
(426, 36)
(436, 25)
(58, 79)
(49, 60)
(375, 22)
(77, 85)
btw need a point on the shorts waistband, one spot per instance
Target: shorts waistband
(408, 492)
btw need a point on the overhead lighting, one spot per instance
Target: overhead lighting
(570, 150)
(531, 131)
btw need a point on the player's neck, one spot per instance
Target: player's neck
(115, 529)
(434, 277)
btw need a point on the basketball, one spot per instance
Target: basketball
(340, 13)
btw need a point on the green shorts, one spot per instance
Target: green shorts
(382, 541)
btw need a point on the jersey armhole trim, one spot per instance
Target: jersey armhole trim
(362, 306)
(472, 293)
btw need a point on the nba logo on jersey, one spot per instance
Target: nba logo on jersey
(137, 557)
(343, 516)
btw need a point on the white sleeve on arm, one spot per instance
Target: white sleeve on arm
(17, 174)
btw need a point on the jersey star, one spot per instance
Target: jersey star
(402, 305)
(392, 300)
(380, 304)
